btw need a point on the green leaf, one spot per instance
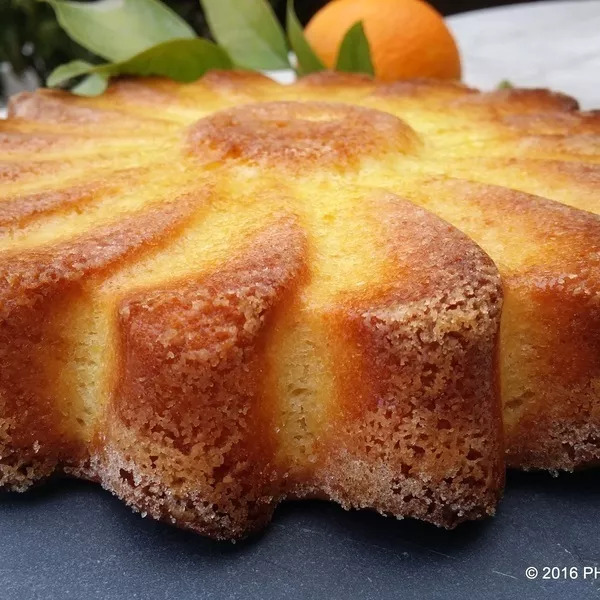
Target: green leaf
(355, 55)
(92, 85)
(249, 32)
(182, 60)
(72, 69)
(505, 84)
(308, 61)
(118, 29)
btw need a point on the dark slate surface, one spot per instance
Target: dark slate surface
(71, 540)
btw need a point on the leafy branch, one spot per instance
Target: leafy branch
(145, 37)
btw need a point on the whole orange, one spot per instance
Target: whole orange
(408, 38)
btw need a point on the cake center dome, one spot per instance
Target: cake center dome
(292, 134)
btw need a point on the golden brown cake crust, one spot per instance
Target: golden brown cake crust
(34, 435)
(418, 430)
(218, 295)
(523, 101)
(551, 322)
(295, 135)
(189, 433)
(51, 106)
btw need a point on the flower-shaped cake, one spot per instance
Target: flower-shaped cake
(218, 295)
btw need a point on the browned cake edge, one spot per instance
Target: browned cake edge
(414, 428)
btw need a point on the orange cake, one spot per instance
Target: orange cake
(219, 295)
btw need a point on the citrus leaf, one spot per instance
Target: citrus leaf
(355, 55)
(72, 69)
(182, 60)
(505, 84)
(249, 32)
(92, 85)
(308, 61)
(118, 29)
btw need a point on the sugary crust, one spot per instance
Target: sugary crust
(325, 79)
(424, 89)
(16, 210)
(55, 107)
(12, 140)
(151, 90)
(558, 424)
(522, 101)
(551, 323)
(33, 284)
(189, 434)
(58, 110)
(418, 427)
(11, 172)
(566, 123)
(297, 135)
(227, 82)
(404, 357)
